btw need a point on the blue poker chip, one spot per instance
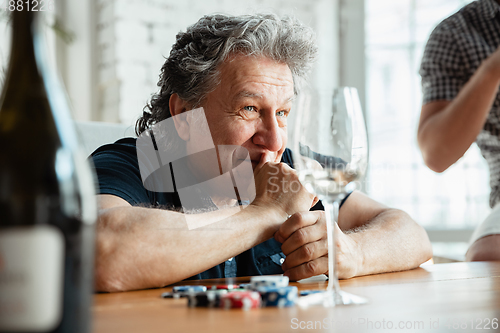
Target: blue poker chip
(309, 292)
(278, 296)
(268, 281)
(245, 286)
(189, 289)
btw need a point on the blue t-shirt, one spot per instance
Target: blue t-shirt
(118, 174)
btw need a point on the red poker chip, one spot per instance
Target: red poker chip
(245, 300)
(225, 286)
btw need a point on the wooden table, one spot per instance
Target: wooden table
(455, 297)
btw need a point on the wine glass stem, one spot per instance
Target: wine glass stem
(332, 214)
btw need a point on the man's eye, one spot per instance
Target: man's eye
(249, 108)
(281, 114)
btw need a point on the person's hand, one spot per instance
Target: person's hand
(304, 242)
(277, 187)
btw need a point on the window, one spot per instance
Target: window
(396, 34)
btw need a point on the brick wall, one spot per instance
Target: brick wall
(134, 36)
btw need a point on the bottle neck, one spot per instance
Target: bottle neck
(24, 37)
(24, 82)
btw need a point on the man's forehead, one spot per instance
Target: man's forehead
(257, 68)
(242, 94)
(250, 76)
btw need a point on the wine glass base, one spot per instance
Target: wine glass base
(330, 299)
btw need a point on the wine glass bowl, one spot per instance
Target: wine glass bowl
(329, 141)
(330, 154)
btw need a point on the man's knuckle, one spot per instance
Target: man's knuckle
(308, 252)
(301, 236)
(282, 230)
(312, 267)
(299, 218)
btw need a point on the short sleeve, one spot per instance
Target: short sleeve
(118, 173)
(442, 67)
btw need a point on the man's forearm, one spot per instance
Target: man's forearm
(447, 134)
(142, 247)
(391, 241)
(145, 247)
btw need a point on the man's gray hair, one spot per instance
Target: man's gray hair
(192, 69)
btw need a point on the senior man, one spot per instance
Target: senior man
(244, 72)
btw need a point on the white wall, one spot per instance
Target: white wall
(77, 60)
(134, 36)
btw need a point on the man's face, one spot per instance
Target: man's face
(250, 106)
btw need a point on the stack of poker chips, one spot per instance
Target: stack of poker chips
(278, 296)
(245, 300)
(262, 291)
(274, 290)
(210, 298)
(199, 296)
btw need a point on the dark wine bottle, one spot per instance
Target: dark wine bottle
(47, 196)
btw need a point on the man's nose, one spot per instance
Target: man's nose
(268, 134)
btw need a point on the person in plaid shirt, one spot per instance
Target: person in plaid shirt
(460, 73)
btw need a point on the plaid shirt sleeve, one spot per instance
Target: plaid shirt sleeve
(442, 68)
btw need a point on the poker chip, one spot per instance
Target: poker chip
(210, 298)
(268, 281)
(309, 292)
(188, 289)
(245, 300)
(224, 287)
(174, 295)
(245, 286)
(239, 289)
(278, 296)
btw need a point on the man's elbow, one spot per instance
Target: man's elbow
(418, 240)
(434, 157)
(106, 275)
(434, 163)
(422, 245)
(425, 247)
(105, 281)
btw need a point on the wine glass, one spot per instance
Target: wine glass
(330, 154)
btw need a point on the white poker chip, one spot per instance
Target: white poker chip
(268, 281)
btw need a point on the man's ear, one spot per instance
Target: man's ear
(177, 109)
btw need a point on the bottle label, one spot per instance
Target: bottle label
(31, 278)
